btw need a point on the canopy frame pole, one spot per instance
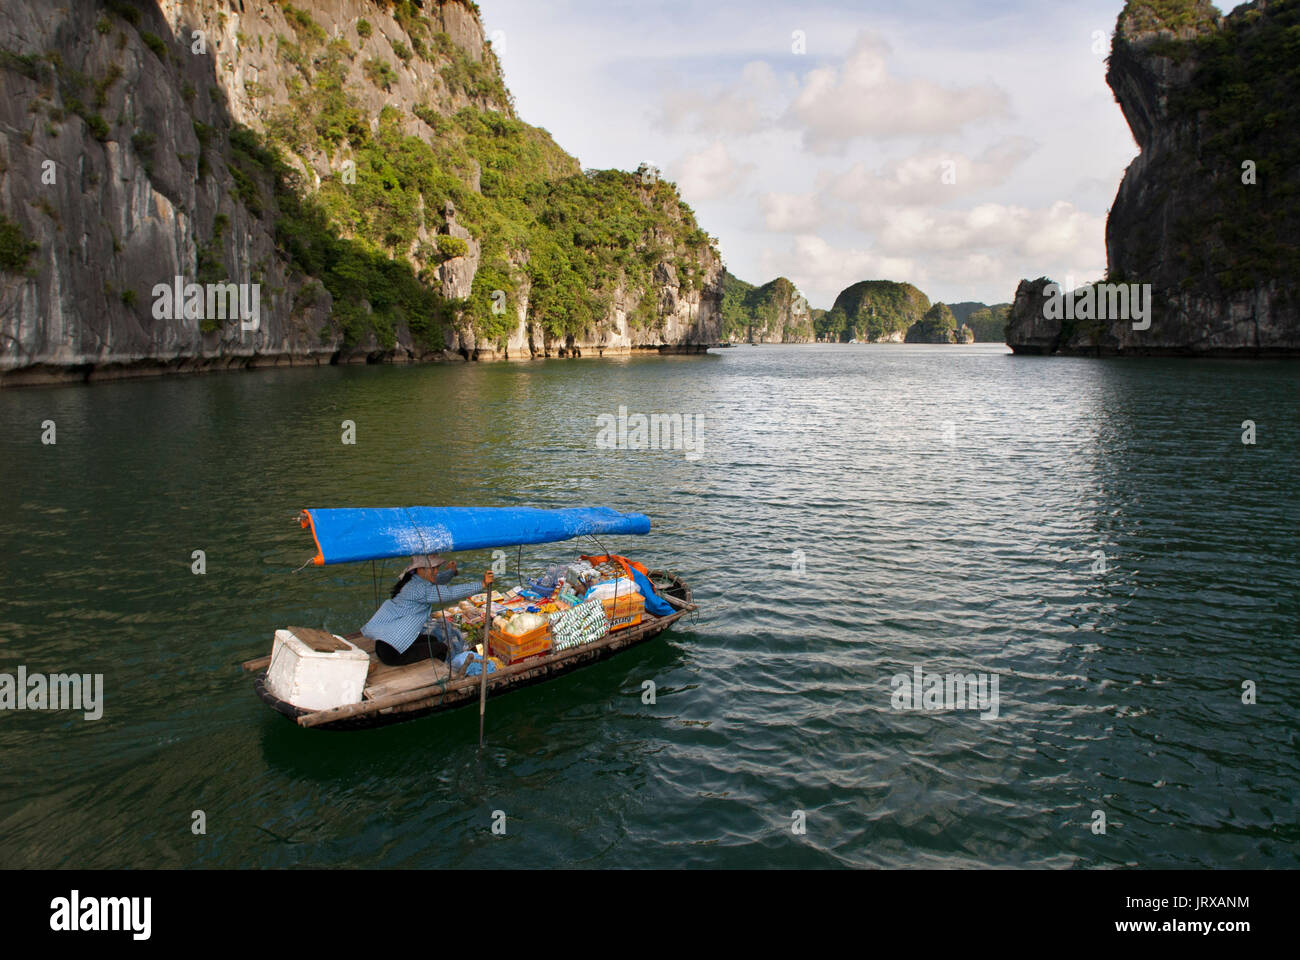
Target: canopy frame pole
(483, 664)
(446, 639)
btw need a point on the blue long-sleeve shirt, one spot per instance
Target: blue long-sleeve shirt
(401, 619)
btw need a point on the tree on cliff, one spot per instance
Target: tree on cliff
(830, 325)
(937, 326)
(874, 309)
(774, 312)
(989, 323)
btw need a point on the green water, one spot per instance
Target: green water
(856, 512)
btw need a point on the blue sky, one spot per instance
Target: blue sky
(957, 146)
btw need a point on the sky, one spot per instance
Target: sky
(957, 146)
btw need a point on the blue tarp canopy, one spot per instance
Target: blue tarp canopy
(375, 533)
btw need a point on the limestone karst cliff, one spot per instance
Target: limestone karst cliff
(938, 325)
(359, 161)
(1209, 211)
(878, 311)
(775, 312)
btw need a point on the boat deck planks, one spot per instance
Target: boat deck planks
(382, 679)
(413, 676)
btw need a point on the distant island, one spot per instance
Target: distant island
(869, 311)
(775, 312)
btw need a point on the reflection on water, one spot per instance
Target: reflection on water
(1093, 532)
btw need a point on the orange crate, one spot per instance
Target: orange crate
(624, 612)
(619, 623)
(534, 643)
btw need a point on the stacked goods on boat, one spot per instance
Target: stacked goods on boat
(622, 607)
(567, 606)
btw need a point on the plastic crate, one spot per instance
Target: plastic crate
(525, 646)
(624, 612)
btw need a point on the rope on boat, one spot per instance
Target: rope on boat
(601, 547)
(446, 634)
(271, 666)
(446, 631)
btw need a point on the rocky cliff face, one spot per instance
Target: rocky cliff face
(875, 311)
(939, 325)
(986, 322)
(775, 312)
(1028, 329)
(351, 159)
(1208, 213)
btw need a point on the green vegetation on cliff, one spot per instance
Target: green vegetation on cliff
(375, 232)
(829, 325)
(1233, 139)
(872, 310)
(356, 273)
(577, 237)
(15, 249)
(1140, 16)
(989, 324)
(735, 314)
(602, 230)
(937, 326)
(776, 311)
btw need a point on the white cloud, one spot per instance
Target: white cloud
(619, 84)
(833, 105)
(862, 99)
(951, 254)
(931, 177)
(897, 192)
(817, 267)
(709, 174)
(748, 106)
(791, 212)
(1059, 232)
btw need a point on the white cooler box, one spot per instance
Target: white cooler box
(316, 670)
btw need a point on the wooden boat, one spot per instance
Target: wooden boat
(393, 694)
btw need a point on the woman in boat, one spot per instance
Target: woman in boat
(398, 625)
